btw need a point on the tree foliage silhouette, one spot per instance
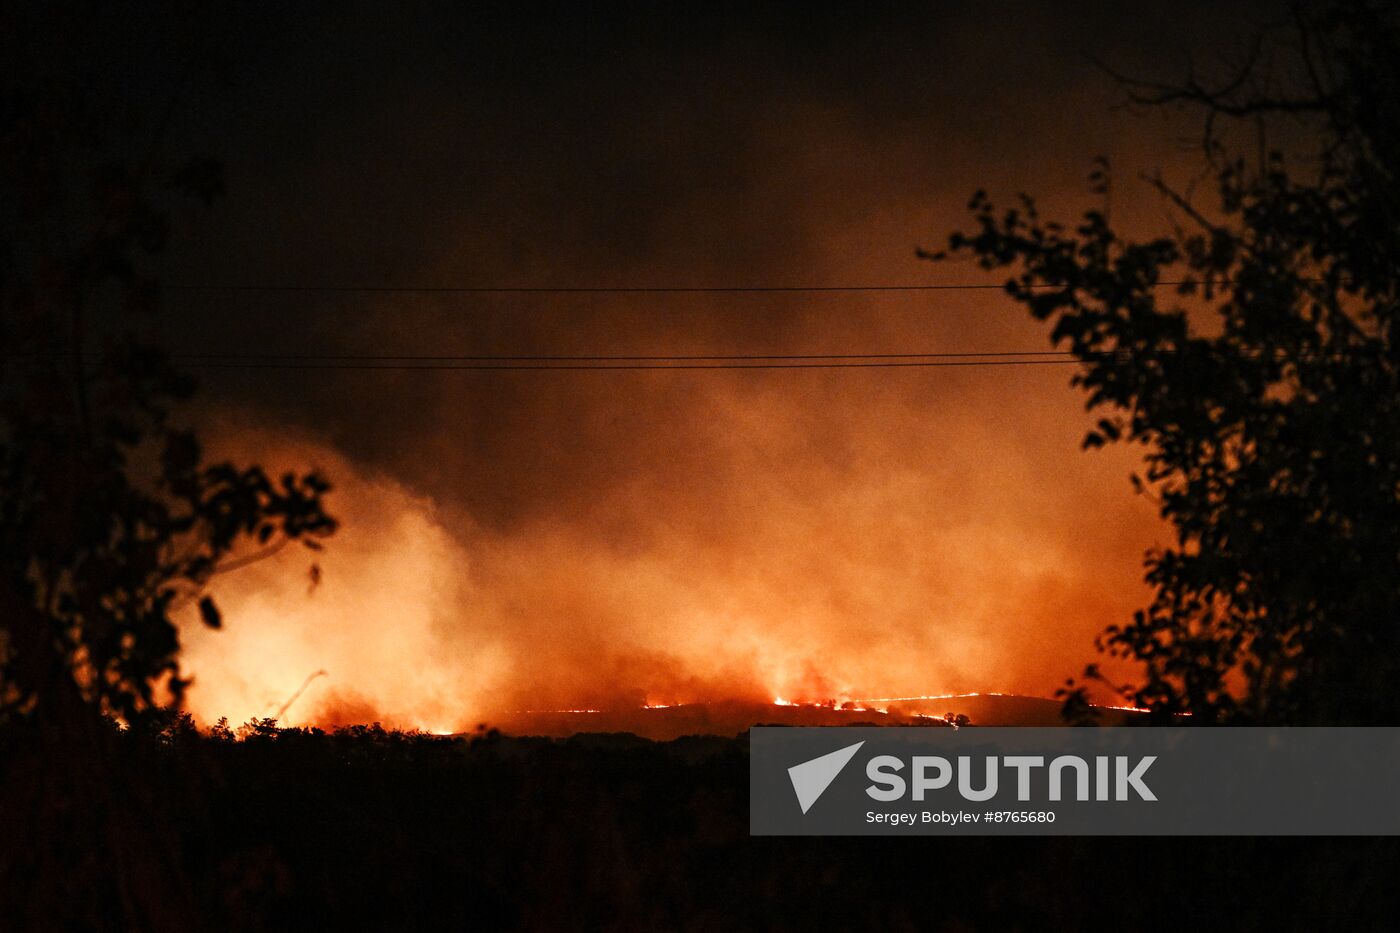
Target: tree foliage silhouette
(1265, 390)
(110, 515)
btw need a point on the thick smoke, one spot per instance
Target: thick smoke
(541, 540)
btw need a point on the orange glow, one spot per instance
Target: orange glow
(616, 540)
(421, 621)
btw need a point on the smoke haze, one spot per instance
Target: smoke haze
(542, 540)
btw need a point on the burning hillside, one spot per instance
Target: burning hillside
(656, 721)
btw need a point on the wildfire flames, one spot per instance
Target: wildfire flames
(610, 540)
(759, 571)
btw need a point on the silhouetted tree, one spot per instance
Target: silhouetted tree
(1265, 388)
(110, 516)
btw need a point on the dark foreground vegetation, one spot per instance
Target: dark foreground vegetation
(1270, 445)
(367, 829)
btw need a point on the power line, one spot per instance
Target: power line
(484, 362)
(598, 289)
(409, 361)
(658, 358)
(486, 367)
(562, 363)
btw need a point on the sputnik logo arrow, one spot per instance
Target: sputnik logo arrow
(811, 778)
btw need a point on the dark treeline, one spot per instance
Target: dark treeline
(368, 829)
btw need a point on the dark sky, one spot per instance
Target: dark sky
(517, 539)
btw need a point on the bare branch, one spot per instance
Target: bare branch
(239, 563)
